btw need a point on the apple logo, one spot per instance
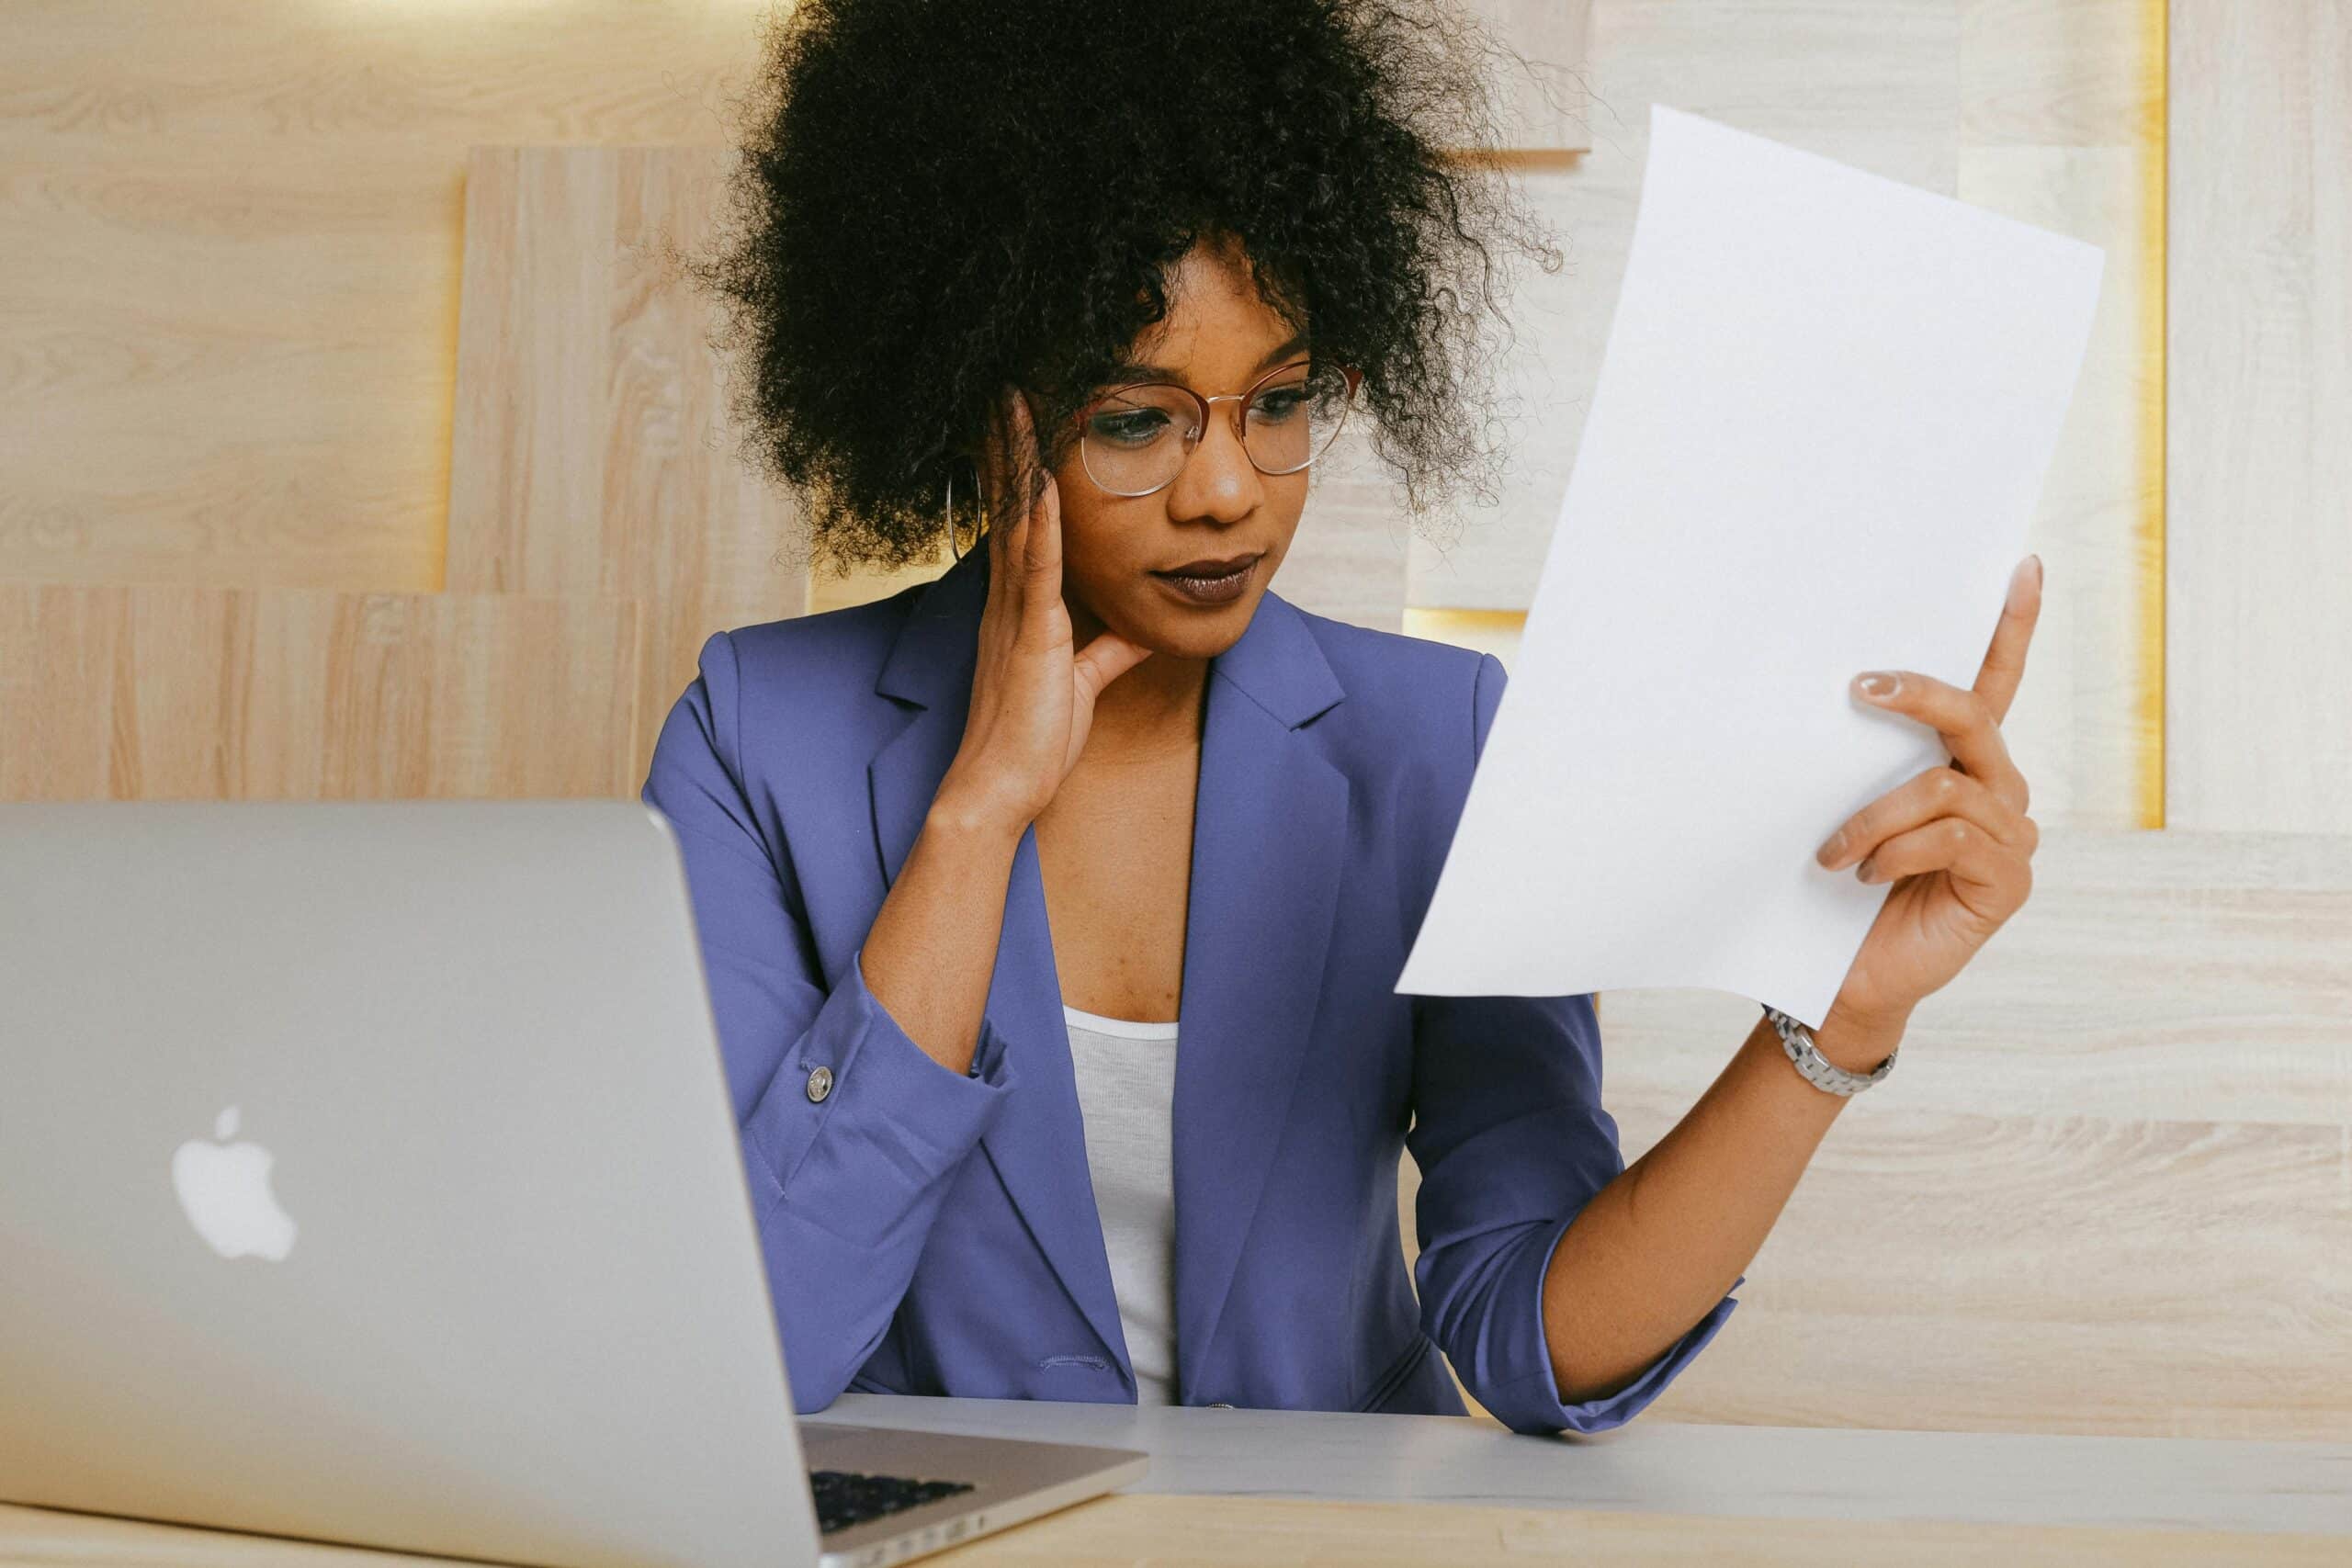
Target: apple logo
(224, 1188)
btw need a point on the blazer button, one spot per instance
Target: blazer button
(820, 1083)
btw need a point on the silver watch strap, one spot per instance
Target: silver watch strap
(1818, 1070)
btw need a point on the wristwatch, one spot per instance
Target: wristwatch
(1818, 1070)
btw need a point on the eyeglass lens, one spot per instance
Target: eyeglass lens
(1136, 439)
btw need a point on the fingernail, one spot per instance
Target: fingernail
(2027, 576)
(1877, 684)
(1864, 870)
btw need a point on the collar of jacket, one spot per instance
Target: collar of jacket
(1269, 839)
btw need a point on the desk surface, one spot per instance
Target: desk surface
(1662, 1467)
(1250, 1487)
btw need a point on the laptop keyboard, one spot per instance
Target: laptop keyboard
(844, 1498)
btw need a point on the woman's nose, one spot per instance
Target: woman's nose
(1218, 477)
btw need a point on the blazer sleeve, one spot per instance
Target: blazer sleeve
(1512, 1143)
(844, 1187)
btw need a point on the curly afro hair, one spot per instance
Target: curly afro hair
(936, 197)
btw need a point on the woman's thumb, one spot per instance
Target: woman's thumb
(1106, 659)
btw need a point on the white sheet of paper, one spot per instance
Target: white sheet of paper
(1819, 431)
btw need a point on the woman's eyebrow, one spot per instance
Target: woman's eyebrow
(1164, 373)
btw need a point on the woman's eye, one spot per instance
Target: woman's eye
(1281, 404)
(1129, 426)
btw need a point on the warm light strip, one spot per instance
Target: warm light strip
(2148, 527)
(1485, 630)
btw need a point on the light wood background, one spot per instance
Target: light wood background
(355, 445)
(243, 242)
(2259, 549)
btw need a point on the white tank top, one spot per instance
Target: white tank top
(1126, 1084)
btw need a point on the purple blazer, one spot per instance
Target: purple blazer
(931, 1232)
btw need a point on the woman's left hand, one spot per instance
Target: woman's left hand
(1956, 840)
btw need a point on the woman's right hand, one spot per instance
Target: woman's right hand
(1033, 694)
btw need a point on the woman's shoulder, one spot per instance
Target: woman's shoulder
(821, 654)
(788, 694)
(843, 630)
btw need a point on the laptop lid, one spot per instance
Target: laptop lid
(368, 1174)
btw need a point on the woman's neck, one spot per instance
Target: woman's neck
(1151, 710)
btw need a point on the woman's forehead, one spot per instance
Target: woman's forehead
(1217, 320)
(1212, 350)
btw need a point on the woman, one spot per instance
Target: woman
(968, 863)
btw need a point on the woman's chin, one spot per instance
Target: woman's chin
(1170, 620)
(1191, 631)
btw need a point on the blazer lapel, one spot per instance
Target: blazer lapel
(1269, 840)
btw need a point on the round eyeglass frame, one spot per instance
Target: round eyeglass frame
(1353, 376)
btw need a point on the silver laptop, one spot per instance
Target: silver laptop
(368, 1174)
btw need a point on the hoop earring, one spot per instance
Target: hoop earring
(947, 509)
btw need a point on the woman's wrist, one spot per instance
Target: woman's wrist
(966, 813)
(1856, 1044)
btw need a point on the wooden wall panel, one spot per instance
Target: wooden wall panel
(592, 455)
(221, 362)
(2078, 74)
(1544, 108)
(2062, 126)
(231, 231)
(165, 693)
(2258, 430)
(2106, 1189)
(2087, 725)
(2052, 114)
(1873, 83)
(236, 277)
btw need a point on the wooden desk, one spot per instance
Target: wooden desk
(1248, 1486)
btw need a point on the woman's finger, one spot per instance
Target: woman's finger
(1993, 878)
(2003, 667)
(1103, 660)
(985, 469)
(1938, 792)
(1044, 526)
(1038, 507)
(1965, 720)
(1001, 512)
(1008, 529)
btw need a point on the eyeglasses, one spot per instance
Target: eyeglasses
(1134, 440)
